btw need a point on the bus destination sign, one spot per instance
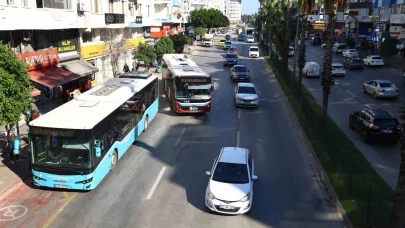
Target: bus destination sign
(196, 80)
(51, 131)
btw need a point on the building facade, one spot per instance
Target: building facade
(233, 11)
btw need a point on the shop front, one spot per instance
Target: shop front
(167, 29)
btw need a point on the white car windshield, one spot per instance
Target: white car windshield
(231, 173)
(246, 90)
(254, 49)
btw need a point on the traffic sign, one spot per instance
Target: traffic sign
(313, 18)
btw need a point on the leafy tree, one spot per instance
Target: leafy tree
(15, 87)
(179, 40)
(389, 48)
(208, 18)
(164, 46)
(350, 43)
(145, 53)
(200, 31)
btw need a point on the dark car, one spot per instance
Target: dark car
(241, 37)
(228, 37)
(375, 124)
(353, 63)
(240, 73)
(316, 40)
(230, 59)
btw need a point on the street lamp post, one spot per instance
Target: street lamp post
(296, 43)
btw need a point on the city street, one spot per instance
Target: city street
(161, 180)
(347, 96)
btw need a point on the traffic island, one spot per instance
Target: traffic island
(363, 194)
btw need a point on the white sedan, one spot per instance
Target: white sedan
(373, 60)
(338, 70)
(246, 95)
(349, 53)
(230, 187)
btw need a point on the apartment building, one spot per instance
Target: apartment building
(200, 4)
(233, 11)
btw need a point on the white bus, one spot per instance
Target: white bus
(187, 86)
(76, 145)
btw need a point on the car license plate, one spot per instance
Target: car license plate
(227, 207)
(387, 131)
(60, 186)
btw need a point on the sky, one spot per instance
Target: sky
(250, 6)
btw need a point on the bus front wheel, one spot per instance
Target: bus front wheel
(114, 159)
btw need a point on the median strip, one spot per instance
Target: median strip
(364, 195)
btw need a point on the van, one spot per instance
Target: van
(339, 48)
(311, 69)
(253, 51)
(290, 51)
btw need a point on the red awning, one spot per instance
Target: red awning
(52, 76)
(35, 92)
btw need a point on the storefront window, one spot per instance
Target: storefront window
(54, 4)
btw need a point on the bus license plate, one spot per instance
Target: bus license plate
(60, 186)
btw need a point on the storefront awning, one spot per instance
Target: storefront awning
(35, 92)
(80, 67)
(52, 76)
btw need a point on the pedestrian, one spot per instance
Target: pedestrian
(10, 145)
(126, 68)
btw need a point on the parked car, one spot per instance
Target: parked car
(375, 124)
(253, 51)
(250, 39)
(233, 50)
(230, 186)
(230, 59)
(311, 69)
(353, 63)
(290, 51)
(350, 53)
(246, 95)
(373, 60)
(339, 48)
(240, 73)
(381, 89)
(228, 37)
(338, 70)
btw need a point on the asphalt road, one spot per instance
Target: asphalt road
(347, 96)
(182, 148)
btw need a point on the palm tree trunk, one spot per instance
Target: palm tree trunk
(284, 54)
(398, 210)
(327, 66)
(301, 54)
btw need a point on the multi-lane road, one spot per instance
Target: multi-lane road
(347, 96)
(161, 181)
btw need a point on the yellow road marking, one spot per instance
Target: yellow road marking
(52, 219)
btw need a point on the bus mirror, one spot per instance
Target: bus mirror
(97, 148)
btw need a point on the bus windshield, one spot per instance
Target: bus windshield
(61, 149)
(197, 88)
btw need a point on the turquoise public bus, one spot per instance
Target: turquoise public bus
(77, 144)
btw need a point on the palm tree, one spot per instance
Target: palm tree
(305, 7)
(277, 27)
(261, 2)
(287, 40)
(269, 9)
(331, 8)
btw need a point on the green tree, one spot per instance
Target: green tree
(389, 48)
(179, 41)
(200, 31)
(15, 87)
(145, 53)
(208, 18)
(164, 46)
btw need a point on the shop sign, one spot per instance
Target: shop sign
(40, 59)
(166, 27)
(397, 19)
(133, 43)
(318, 26)
(114, 18)
(154, 29)
(67, 45)
(155, 32)
(395, 31)
(138, 20)
(93, 51)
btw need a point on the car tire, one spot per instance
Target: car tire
(364, 89)
(351, 125)
(375, 95)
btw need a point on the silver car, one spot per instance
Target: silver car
(381, 89)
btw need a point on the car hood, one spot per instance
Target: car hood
(229, 192)
(242, 73)
(247, 96)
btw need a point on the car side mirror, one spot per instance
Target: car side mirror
(254, 177)
(97, 148)
(208, 173)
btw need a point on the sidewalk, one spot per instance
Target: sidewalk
(400, 62)
(11, 174)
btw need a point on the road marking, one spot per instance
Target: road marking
(12, 212)
(350, 93)
(180, 136)
(152, 190)
(237, 138)
(368, 106)
(52, 219)
(239, 111)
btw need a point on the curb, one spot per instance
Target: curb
(345, 218)
(12, 187)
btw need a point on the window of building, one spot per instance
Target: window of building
(54, 4)
(87, 36)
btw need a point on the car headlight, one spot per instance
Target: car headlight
(246, 198)
(239, 99)
(210, 195)
(254, 99)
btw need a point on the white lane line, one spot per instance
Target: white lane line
(152, 190)
(180, 136)
(368, 106)
(350, 93)
(237, 138)
(239, 111)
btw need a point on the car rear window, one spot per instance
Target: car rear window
(357, 61)
(230, 56)
(231, 173)
(337, 67)
(228, 43)
(254, 49)
(232, 49)
(240, 69)
(223, 40)
(375, 58)
(383, 123)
